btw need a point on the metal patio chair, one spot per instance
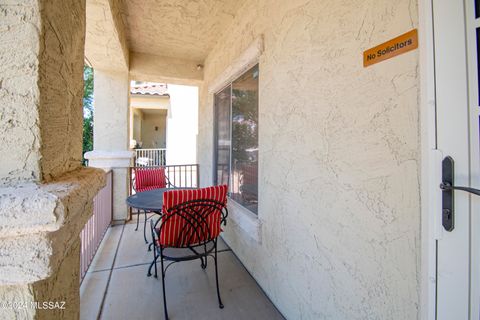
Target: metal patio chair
(188, 229)
(145, 179)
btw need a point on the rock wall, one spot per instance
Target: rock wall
(339, 164)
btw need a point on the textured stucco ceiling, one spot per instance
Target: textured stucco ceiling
(185, 29)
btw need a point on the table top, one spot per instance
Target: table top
(151, 200)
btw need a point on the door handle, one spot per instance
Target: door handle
(445, 186)
(448, 186)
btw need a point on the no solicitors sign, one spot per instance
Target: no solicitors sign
(401, 44)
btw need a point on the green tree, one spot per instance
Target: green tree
(87, 110)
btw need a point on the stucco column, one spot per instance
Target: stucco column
(45, 193)
(110, 133)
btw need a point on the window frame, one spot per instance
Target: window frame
(215, 134)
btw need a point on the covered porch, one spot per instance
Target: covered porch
(116, 285)
(324, 206)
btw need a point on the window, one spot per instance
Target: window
(236, 139)
(222, 135)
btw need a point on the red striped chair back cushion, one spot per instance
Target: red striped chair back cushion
(177, 227)
(149, 179)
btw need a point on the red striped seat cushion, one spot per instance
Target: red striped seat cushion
(149, 179)
(174, 223)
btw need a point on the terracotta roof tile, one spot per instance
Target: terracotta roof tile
(149, 88)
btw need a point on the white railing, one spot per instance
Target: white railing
(183, 175)
(95, 228)
(150, 157)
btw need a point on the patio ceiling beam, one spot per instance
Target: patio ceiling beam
(154, 68)
(106, 44)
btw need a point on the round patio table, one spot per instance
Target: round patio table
(149, 201)
(152, 201)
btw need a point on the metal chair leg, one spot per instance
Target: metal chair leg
(153, 263)
(220, 304)
(149, 273)
(145, 226)
(155, 253)
(163, 286)
(138, 218)
(204, 262)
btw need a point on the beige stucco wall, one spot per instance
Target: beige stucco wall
(39, 240)
(339, 158)
(136, 124)
(110, 131)
(152, 138)
(45, 195)
(106, 43)
(41, 108)
(149, 101)
(111, 128)
(18, 127)
(137, 104)
(139, 110)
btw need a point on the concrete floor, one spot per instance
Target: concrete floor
(116, 285)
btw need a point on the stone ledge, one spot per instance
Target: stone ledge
(39, 223)
(32, 208)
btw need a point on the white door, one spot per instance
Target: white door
(457, 116)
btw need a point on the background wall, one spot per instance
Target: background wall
(152, 138)
(142, 107)
(182, 125)
(136, 124)
(176, 116)
(339, 158)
